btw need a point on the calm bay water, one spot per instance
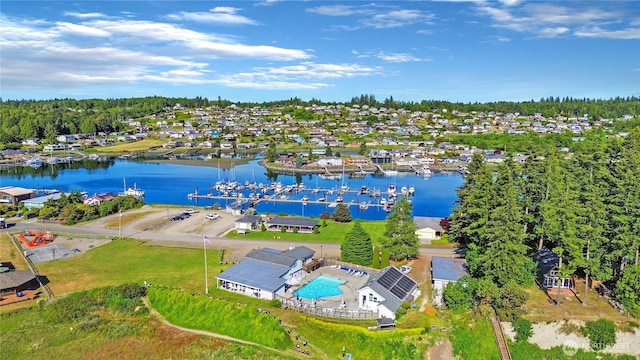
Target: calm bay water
(170, 183)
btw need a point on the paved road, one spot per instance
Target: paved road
(195, 240)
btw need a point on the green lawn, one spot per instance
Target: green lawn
(334, 232)
(124, 261)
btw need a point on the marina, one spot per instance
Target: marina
(239, 186)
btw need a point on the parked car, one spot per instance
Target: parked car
(212, 216)
(191, 211)
(178, 217)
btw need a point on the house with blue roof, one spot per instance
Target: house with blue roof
(445, 270)
(266, 273)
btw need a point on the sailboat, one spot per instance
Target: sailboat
(133, 190)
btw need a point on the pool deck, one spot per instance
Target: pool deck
(349, 289)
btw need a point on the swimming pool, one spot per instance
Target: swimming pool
(320, 287)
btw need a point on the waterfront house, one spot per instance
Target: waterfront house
(549, 276)
(385, 292)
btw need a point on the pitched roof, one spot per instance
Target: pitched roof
(290, 221)
(450, 269)
(394, 286)
(249, 219)
(546, 260)
(256, 273)
(286, 258)
(15, 278)
(427, 222)
(16, 191)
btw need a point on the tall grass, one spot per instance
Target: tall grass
(219, 316)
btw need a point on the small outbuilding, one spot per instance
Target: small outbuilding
(247, 223)
(445, 270)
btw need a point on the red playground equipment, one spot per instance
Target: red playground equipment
(36, 238)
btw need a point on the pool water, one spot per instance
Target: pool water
(320, 287)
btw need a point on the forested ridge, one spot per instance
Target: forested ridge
(585, 207)
(22, 119)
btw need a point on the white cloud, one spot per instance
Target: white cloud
(84, 15)
(550, 20)
(379, 16)
(64, 55)
(399, 57)
(217, 15)
(596, 32)
(303, 76)
(552, 31)
(81, 30)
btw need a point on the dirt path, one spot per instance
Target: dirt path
(159, 316)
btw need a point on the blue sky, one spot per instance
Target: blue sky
(452, 50)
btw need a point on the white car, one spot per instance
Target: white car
(190, 211)
(212, 216)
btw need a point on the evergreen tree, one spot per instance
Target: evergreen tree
(468, 221)
(376, 258)
(272, 154)
(356, 247)
(342, 213)
(400, 236)
(505, 258)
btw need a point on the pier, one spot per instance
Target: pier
(251, 194)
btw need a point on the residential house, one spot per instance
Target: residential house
(385, 292)
(290, 223)
(428, 228)
(247, 223)
(97, 199)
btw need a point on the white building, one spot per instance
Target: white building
(385, 291)
(265, 273)
(444, 271)
(428, 228)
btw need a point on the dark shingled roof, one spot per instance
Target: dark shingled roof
(290, 221)
(249, 219)
(546, 260)
(450, 269)
(15, 278)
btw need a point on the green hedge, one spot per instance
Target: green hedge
(219, 316)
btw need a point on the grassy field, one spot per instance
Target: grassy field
(9, 253)
(141, 145)
(123, 261)
(334, 232)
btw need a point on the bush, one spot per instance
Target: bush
(295, 230)
(324, 216)
(523, 329)
(275, 303)
(263, 227)
(601, 333)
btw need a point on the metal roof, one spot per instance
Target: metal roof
(290, 221)
(450, 269)
(256, 273)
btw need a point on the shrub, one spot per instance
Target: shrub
(430, 311)
(405, 305)
(263, 227)
(295, 230)
(276, 303)
(283, 229)
(316, 230)
(601, 333)
(324, 216)
(523, 329)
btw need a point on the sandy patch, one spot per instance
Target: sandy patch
(548, 335)
(441, 351)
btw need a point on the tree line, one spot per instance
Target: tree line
(44, 119)
(583, 206)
